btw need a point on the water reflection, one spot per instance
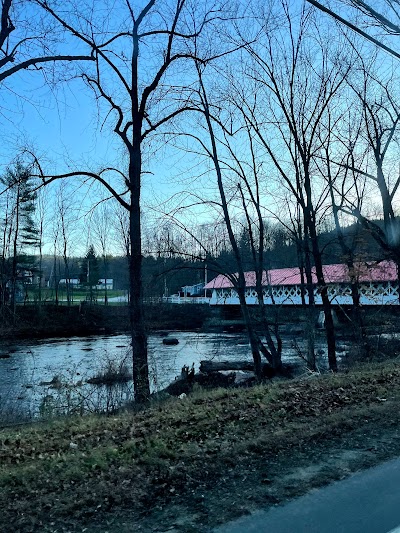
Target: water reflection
(28, 376)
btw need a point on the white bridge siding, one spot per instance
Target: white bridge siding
(176, 299)
(371, 293)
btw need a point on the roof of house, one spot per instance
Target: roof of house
(383, 271)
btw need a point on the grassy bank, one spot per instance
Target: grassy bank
(50, 320)
(189, 464)
(76, 295)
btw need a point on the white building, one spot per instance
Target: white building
(105, 283)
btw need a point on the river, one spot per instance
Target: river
(25, 376)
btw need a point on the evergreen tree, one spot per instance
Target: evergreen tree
(89, 274)
(19, 233)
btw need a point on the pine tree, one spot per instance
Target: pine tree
(19, 235)
(89, 274)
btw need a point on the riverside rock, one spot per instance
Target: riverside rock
(170, 341)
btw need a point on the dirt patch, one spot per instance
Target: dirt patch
(260, 480)
(189, 465)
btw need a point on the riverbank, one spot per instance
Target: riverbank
(51, 321)
(48, 320)
(187, 465)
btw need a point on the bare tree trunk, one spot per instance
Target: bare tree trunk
(327, 307)
(7, 238)
(15, 252)
(274, 353)
(105, 279)
(132, 96)
(55, 272)
(241, 282)
(253, 338)
(138, 330)
(300, 261)
(349, 260)
(40, 263)
(310, 309)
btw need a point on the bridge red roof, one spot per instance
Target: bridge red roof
(383, 271)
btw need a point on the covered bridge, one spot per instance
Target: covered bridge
(378, 285)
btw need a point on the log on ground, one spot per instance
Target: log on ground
(218, 366)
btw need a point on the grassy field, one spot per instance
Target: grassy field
(78, 295)
(187, 465)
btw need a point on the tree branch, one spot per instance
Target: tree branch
(6, 25)
(37, 60)
(47, 179)
(354, 28)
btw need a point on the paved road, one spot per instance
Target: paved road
(367, 502)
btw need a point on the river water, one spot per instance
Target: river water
(26, 391)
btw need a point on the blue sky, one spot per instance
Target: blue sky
(60, 125)
(64, 128)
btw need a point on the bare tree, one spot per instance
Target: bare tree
(379, 138)
(66, 222)
(120, 228)
(250, 187)
(136, 56)
(271, 351)
(26, 37)
(41, 212)
(101, 228)
(386, 17)
(293, 87)
(343, 184)
(54, 278)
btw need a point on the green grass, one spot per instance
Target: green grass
(78, 295)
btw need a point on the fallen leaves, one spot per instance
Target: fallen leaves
(84, 467)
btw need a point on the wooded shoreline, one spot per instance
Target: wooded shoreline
(49, 320)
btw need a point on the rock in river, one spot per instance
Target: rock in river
(170, 341)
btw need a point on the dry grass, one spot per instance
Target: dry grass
(76, 471)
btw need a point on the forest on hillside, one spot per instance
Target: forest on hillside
(166, 271)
